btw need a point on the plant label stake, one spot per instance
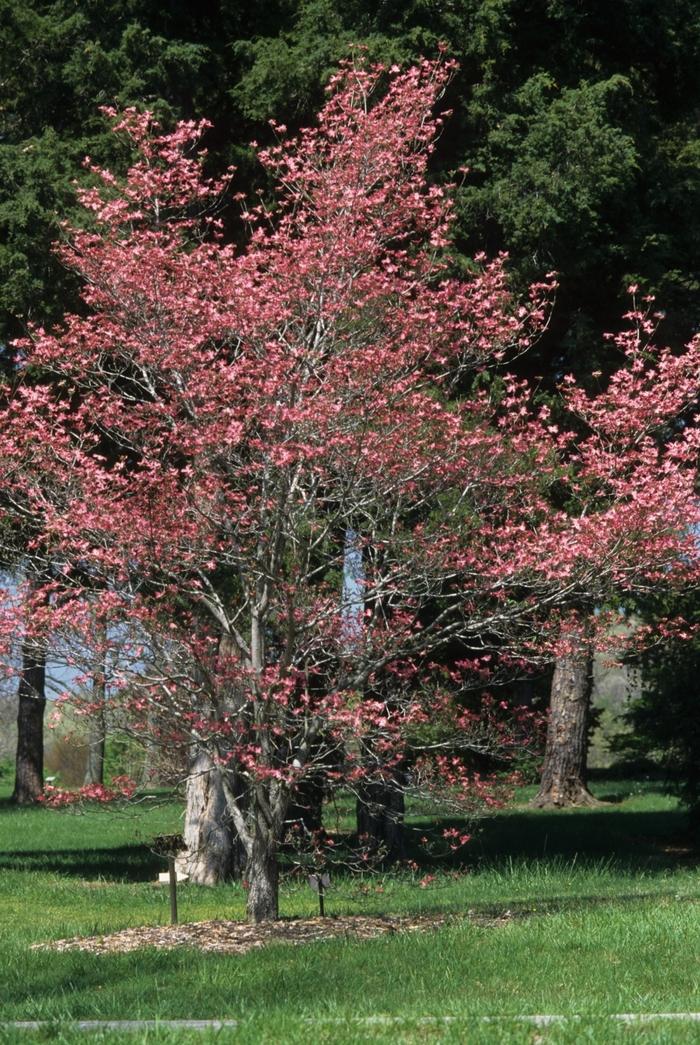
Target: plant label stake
(168, 846)
(173, 890)
(319, 883)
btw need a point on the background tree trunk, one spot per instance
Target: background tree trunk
(94, 769)
(306, 806)
(380, 818)
(29, 764)
(95, 765)
(213, 853)
(564, 773)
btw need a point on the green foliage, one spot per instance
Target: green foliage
(551, 168)
(578, 124)
(663, 722)
(286, 72)
(124, 756)
(36, 194)
(59, 62)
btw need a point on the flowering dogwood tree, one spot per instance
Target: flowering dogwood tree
(205, 436)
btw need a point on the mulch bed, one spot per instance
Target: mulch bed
(225, 937)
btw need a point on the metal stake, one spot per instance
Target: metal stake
(173, 890)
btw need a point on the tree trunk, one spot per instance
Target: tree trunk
(564, 773)
(263, 879)
(94, 769)
(95, 765)
(306, 806)
(380, 818)
(148, 773)
(213, 852)
(29, 765)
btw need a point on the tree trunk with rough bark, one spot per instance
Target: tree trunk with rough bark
(213, 852)
(29, 764)
(262, 874)
(564, 773)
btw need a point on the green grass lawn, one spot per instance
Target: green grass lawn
(605, 918)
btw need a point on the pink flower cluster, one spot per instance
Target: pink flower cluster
(58, 798)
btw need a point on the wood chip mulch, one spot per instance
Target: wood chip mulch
(225, 937)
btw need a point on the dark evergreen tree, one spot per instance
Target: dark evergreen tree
(663, 721)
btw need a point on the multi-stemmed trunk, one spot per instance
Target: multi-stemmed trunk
(213, 852)
(234, 828)
(564, 773)
(29, 765)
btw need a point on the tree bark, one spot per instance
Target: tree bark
(564, 773)
(213, 852)
(94, 769)
(262, 875)
(29, 764)
(380, 818)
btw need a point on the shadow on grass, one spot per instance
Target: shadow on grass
(557, 904)
(632, 841)
(134, 863)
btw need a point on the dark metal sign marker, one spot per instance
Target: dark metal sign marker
(319, 883)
